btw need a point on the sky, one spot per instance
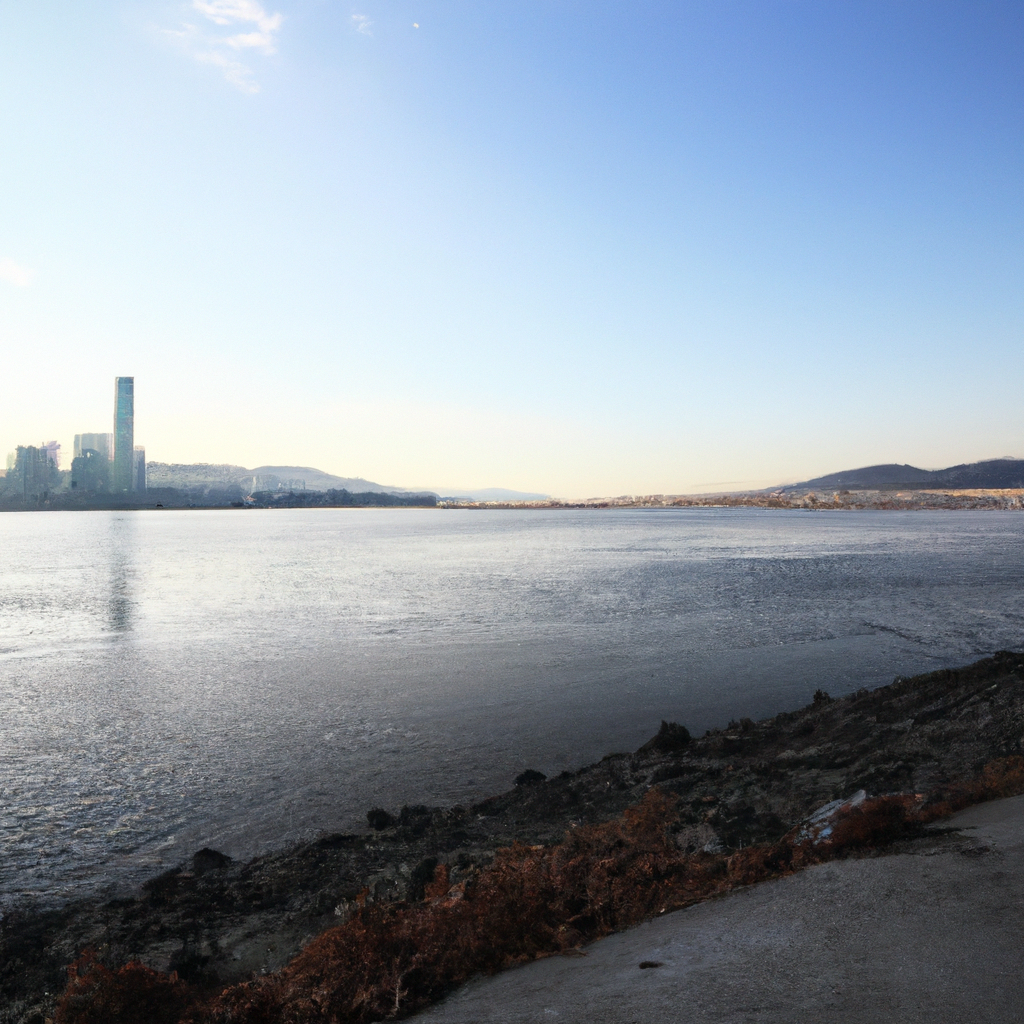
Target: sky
(584, 248)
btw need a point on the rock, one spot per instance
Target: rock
(671, 736)
(819, 826)
(209, 860)
(191, 964)
(379, 819)
(422, 876)
(530, 777)
(414, 815)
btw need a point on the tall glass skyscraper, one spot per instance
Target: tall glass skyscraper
(124, 434)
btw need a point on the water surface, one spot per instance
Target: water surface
(239, 679)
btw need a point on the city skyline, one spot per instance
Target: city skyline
(109, 464)
(664, 249)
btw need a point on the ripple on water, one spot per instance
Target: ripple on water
(243, 679)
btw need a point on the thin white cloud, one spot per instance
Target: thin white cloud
(220, 49)
(20, 277)
(238, 74)
(262, 41)
(230, 12)
(362, 23)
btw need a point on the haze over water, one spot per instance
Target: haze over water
(242, 679)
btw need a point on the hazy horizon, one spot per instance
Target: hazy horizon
(554, 248)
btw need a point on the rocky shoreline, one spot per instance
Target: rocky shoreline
(216, 922)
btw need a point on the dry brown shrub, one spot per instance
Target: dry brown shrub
(130, 995)
(756, 863)
(1001, 777)
(871, 824)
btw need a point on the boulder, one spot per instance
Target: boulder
(209, 860)
(671, 736)
(379, 819)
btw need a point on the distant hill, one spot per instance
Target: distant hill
(992, 473)
(262, 478)
(317, 480)
(207, 475)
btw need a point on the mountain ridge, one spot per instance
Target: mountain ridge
(989, 473)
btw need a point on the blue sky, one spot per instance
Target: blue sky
(584, 248)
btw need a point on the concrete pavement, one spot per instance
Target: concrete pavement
(934, 934)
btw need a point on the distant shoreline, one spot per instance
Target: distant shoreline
(811, 501)
(958, 500)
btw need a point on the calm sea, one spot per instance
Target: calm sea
(240, 679)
